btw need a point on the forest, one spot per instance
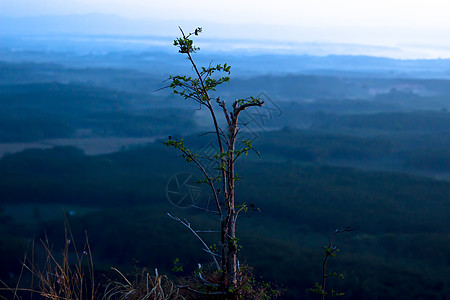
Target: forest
(334, 150)
(397, 219)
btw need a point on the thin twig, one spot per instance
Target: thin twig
(186, 287)
(203, 279)
(206, 249)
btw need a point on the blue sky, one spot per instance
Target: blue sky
(415, 24)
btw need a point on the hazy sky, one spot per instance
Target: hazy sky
(424, 23)
(390, 13)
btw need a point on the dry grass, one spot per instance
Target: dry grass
(61, 280)
(59, 277)
(69, 275)
(143, 287)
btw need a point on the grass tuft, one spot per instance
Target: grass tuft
(144, 286)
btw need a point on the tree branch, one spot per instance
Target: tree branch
(188, 225)
(204, 91)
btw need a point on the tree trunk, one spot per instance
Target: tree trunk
(229, 252)
(229, 241)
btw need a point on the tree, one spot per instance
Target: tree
(200, 88)
(329, 251)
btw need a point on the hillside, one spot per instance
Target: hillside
(301, 206)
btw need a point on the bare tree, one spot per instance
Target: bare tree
(199, 88)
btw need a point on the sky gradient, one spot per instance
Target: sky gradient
(419, 24)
